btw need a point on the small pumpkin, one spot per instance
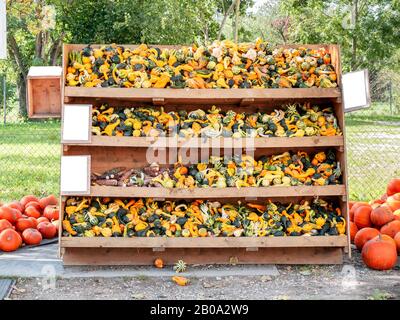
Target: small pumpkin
(16, 205)
(25, 200)
(354, 208)
(51, 212)
(394, 202)
(51, 200)
(397, 241)
(159, 263)
(24, 223)
(34, 204)
(393, 186)
(391, 228)
(31, 236)
(47, 229)
(42, 219)
(31, 211)
(364, 235)
(381, 215)
(9, 214)
(5, 224)
(10, 240)
(181, 281)
(362, 216)
(353, 230)
(379, 254)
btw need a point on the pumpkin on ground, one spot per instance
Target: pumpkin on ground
(363, 236)
(394, 202)
(362, 216)
(34, 204)
(391, 228)
(47, 229)
(25, 200)
(31, 211)
(24, 223)
(31, 236)
(353, 230)
(51, 200)
(9, 214)
(42, 219)
(393, 187)
(379, 254)
(397, 240)
(51, 212)
(16, 205)
(381, 215)
(354, 208)
(387, 238)
(5, 224)
(159, 263)
(10, 240)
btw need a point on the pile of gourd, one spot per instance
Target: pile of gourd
(107, 217)
(223, 64)
(286, 169)
(293, 120)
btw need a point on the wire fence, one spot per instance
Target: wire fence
(30, 151)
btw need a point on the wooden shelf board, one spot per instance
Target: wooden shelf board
(274, 142)
(246, 192)
(45, 116)
(165, 95)
(206, 242)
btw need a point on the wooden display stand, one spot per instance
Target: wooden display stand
(108, 152)
(44, 92)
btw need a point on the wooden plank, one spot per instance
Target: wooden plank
(215, 193)
(132, 256)
(44, 97)
(198, 96)
(318, 141)
(206, 242)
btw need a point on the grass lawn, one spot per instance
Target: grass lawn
(30, 157)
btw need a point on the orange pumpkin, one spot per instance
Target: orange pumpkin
(384, 197)
(9, 214)
(351, 204)
(159, 263)
(31, 236)
(393, 187)
(31, 211)
(16, 205)
(5, 224)
(24, 223)
(391, 228)
(47, 229)
(362, 216)
(394, 202)
(51, 212)
(34, 204)
(25, 200)
(42, 219)
(51, 200)
(381, 215)
(353, 230)
(397, 240)
(34, 221)
(354, 208)
(364, 235)
(10, 240)
(385, 237)
(396, 215)
(379, 254)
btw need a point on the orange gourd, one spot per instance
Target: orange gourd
(159, 263)
(364, 235)
(379, 254)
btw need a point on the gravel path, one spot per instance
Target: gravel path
(349, 281)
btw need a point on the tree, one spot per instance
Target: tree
(367, 30)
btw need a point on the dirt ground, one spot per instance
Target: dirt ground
(350, 281)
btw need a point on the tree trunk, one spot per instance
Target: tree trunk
(237, 20)
(21, 90)
(354, 36)
(226, 15)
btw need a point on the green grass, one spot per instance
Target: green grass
(30, 156)
(29, 159)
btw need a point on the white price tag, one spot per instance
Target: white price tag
(75, 175)
(76, 123)
(355, 88)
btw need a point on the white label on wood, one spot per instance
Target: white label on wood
(356, 93)
(75, 175)
(76, 122)
(3, 30)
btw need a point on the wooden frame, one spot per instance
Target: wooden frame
(243, 250)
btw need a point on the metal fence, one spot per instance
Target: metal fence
(30, 153)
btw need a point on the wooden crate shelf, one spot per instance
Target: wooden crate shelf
(274, 142)
(216, 193)
(208, 242)
(130, 151)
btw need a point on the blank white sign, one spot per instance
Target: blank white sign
(74, 175)
(355, 87)
(76, 122)
(3, 30)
